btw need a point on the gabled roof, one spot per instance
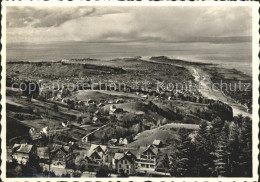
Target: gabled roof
(91, 153)
(157, 142)
(16, 146)
(152, 149)
(119, 156)
(64, 149)
(126, 155)
(55, 148)
(25, 148)
(94, 147)
(130, 154)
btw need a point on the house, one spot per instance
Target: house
(97, 113)
(144, 96)
(47, 93)
(113, 141)
(59, 95)
(157, 143)
(118, 101)
(110, 102)
(65, 92)
(97, 153)
(101, 105)
(124, 162)
(34, 133)
(22, 153)
(147, 158)
(102, 101)
(95, 119)
(123, 141)
(90, 101)
(62, 156)
(114, 110)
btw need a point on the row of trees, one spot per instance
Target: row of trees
(218, 149)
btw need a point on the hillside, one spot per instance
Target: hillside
(59, 69)
(164, 133)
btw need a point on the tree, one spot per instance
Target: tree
(221, 154)
(80, 162)
(181, 158)
(76, 174)
(80, 120)
(31, 168)
(235, 149)
(165, 163)
(102, 172)
(55, 108)
(122, 173)
(30, 89)
(71, 104)
(13, 169)
(246, 145)
(203, 149)
(66, 175)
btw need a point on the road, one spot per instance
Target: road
(207, 90)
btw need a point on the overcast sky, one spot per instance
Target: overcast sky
(97, 24)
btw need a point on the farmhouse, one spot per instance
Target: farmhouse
(22, 153)
(147, 158)
(96, 153)
(124, 162)
(62, 156)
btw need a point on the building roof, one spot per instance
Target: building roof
(25, 148)
(65, 149)
(94, 147)
(100, 150)
(157, 142)
(144, 149)
(91, 153)
(16, 146)
(95, 119)
(126, 155)
(55, 148)
(118, 156)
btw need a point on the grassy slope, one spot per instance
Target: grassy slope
(162, 133)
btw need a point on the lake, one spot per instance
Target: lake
(230, 55)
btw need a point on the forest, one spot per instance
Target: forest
(223, 149)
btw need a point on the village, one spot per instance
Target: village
(122, 92)
(94, 131)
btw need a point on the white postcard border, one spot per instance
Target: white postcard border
(255, 66)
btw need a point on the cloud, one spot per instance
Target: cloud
(99, 24)
(44, 17)
(51, 16)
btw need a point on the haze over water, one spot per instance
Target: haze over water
(229, 55)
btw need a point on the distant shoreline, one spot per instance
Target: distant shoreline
(142, 58)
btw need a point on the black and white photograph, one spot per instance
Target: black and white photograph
(135, 92)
